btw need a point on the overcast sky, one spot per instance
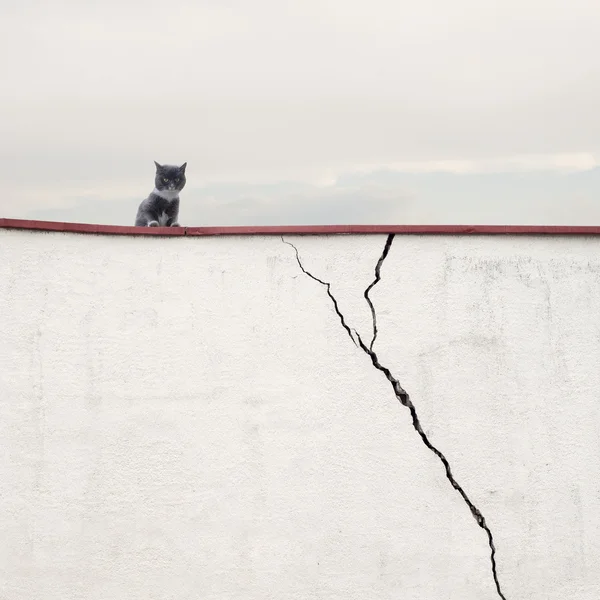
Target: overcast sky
(307, 111)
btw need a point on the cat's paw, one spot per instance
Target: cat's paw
(153, 224)
(175, 225)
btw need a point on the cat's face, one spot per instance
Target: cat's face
(170, 178)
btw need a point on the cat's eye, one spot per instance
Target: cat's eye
(165, 179)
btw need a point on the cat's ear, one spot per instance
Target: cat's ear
(182, 167)
(158, 167)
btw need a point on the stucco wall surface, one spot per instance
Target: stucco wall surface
(189, 418)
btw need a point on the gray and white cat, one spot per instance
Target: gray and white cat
(161, 207)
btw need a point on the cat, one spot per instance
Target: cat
(161, 207)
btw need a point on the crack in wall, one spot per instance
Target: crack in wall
(386, 250)
(403, 397)
(328, 288)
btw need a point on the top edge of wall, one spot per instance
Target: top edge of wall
(301, 229)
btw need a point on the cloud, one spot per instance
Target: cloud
(250, 204)
(567, 162)
(557, 191)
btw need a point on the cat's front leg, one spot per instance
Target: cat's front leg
(152, 223)
(175, 224)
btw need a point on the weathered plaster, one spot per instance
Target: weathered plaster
(185, 418)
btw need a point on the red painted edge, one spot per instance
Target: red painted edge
(302, 229)
(88, 228)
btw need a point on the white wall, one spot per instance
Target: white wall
(186, 418)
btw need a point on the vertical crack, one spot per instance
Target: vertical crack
(386, 249)
(404, 399)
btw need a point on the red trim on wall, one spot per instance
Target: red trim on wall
(302, 229)
(87, 228)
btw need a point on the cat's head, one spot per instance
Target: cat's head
(170, 178)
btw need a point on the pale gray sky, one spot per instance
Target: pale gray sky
(311, 111)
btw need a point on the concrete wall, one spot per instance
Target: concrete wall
(185, 418)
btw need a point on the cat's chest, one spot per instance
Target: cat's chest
(163, 209)
(163, 218)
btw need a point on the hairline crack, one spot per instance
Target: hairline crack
(328, 288)
(403, 397)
